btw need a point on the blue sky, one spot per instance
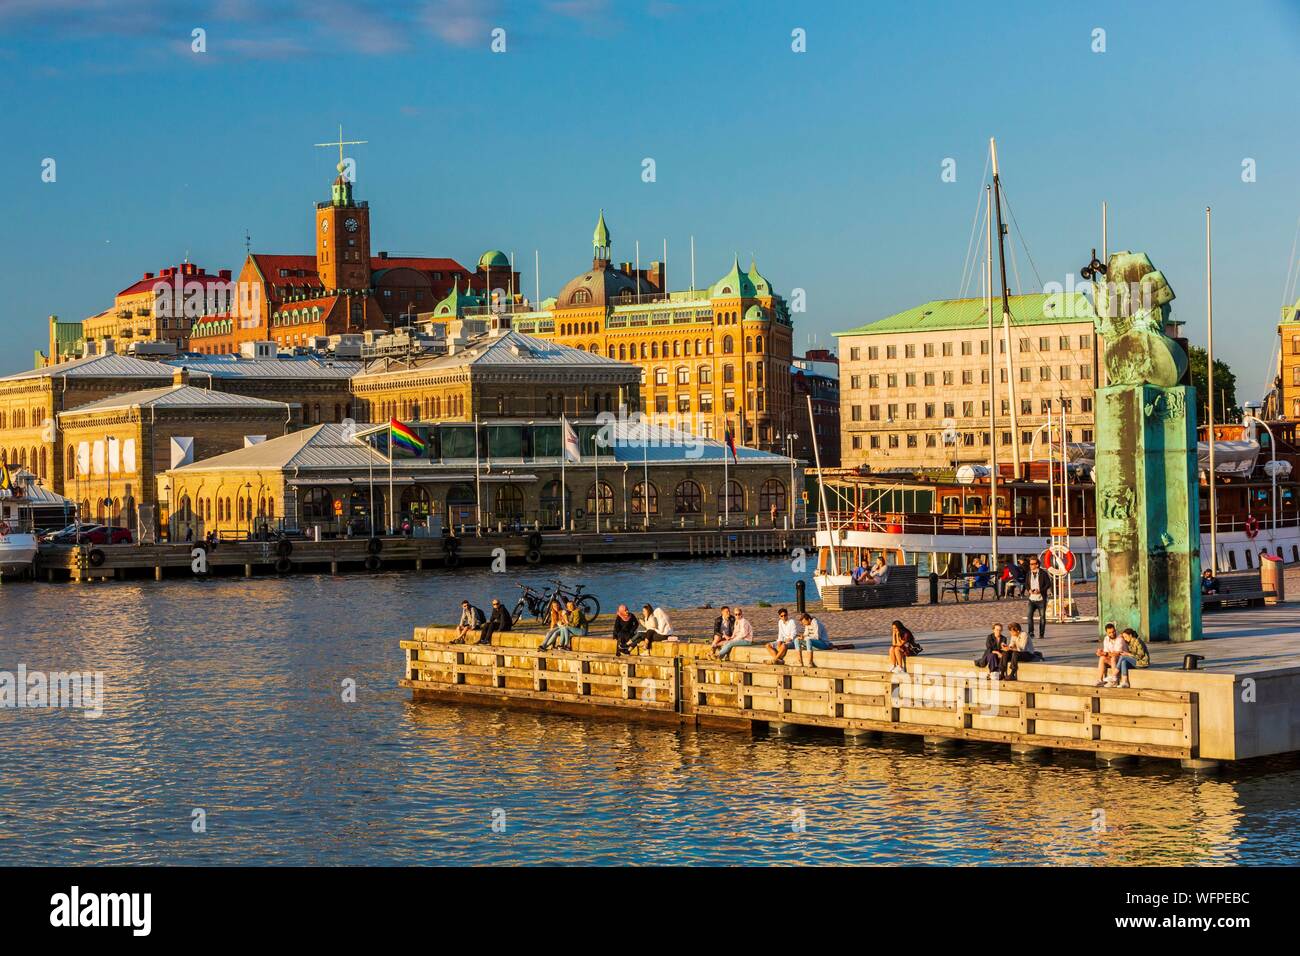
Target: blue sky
(824, 164)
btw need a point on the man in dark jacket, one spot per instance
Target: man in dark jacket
(625, 625)
(1038, 588)
(498, 621)
(723, 625)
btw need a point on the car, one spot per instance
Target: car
(92, 534)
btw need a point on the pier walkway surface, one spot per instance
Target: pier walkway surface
(1244, 700)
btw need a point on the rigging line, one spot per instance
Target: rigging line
(1029, 255)
(967, 262)
(1289, 288)
(973, 265)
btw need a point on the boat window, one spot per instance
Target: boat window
(974, 506)
(951, 505)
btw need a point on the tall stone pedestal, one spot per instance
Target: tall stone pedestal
(1148, 519)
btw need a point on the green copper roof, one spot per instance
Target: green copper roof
(456, 300)
(1035, 309)
(495, 259)
(600, 239)
(761, 285)
(734, 283)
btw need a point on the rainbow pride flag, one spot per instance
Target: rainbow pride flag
(403, 439)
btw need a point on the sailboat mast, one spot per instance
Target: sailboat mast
(993, 390)
(1209, 399)
(1006, 306)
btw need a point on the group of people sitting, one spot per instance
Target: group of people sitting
(1003, 653)
(877, 574)
(630, 630)
(473, 619)
(731, 629)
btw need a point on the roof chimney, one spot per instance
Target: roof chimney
(224, 274)
(180, 377)
(148, 275)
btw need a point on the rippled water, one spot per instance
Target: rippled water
(226, 695)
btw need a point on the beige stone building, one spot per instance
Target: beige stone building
(915, 387)
(116, 447)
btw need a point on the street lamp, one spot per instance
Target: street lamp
(1272, 463)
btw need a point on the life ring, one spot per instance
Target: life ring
(373, 563)
(1058, 560)
(96, 557)
(283, 565)
(534, 556)
(1252, 527)
(374, 546)
(284, 547)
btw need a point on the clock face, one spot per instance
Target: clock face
(350, 225)
(324, 225)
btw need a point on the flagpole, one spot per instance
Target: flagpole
(389, 528)
(478, 488)
(564, 488)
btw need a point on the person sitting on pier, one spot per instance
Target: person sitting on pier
(1108, 655)
(879, 571)
(471, 619)
(861, 575)
(1018, 647)
(1135, 655)
(625, 625)
(498, 621)
(742, 632)
(1007, 579)
(1209, 583)
(556, 622)
(902, 645)
(815, 637)
(722, 625)
(786, 631)
(991, 659)
(655, 626)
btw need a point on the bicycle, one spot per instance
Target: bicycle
(536, 602)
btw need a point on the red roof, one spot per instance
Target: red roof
(171, 275)
(423, 263)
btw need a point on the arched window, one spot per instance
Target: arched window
(728, 373)
(461, 505)
(771, 492)
(734, 497)
(594, 349)
(683, 375)
(581, 296)
(622, 354)
(645, 498)
(758, 343)
(688, 498)
(642, 350)
(552, 504)
(71, 471)
(318, 504)
(661, 376)
(654, 350)
(749, 344)
(727, 345)
(606, 498)
(415, 502)
(509, 503)
(706, 375)
(677, 348)
(708, 346)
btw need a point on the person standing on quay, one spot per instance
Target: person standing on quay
(1038, 588)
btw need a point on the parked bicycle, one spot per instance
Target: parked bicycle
(535, 602)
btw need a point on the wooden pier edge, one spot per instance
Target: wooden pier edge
(678, 685)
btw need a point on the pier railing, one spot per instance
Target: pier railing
(853, 692)
(959, 524)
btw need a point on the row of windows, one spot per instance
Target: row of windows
(22, 417)
(970, 347)
(704, 374)
(912, 410)
(967, 439)
(1064, 373)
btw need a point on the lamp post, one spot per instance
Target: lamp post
(1272, 464)
(790, 439)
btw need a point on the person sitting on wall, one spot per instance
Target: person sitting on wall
(471, 619)
(1135, 655)
(555, 624)
(861, 575)
(902, 645)
(625, 625)
(1108, 655)
(879, 570)
(786, 632)
(742, 632)
(722, 626)
(497, 622)
(1209, 583)
(991, 659)
(655, 626)
(1017, 647)
(575, 622)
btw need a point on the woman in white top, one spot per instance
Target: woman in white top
(654, 627)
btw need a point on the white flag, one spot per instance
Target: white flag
(571, 451)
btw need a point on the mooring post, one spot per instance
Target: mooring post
(800, 596)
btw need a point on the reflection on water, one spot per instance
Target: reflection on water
(227, 696)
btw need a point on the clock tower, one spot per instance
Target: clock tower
(343, 239)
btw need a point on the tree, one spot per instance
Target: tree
(1225, 388)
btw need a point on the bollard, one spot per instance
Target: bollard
(934, 587)
(800, 596)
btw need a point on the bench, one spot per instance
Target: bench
(898, 590)
(1239, 587)
(965, 583)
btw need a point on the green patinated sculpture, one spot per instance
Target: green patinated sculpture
(1148, 522)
